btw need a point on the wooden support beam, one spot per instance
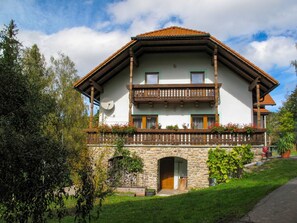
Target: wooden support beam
(91, 107)
(258, 105)
(135, 61)
(254, 83)
(97, 86)
(215, 62)
(130, 90)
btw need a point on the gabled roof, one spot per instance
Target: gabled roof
(171, 32)
(175, 39)
(268, 100)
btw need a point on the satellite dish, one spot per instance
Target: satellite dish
(107, 104)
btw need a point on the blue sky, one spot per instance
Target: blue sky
(88, 31)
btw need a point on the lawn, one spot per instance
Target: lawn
(222, 203)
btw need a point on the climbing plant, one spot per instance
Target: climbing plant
(125, 165)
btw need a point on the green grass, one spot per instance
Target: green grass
(223, 203)
(294, 152)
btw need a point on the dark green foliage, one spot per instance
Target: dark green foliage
(285, 143)
(130, 163)
(33, 167)
(224, 165)
(124, 165)
(172, 127)
(284, 121)
(85, 194)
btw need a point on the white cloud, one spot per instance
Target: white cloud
(223, 18)
(275, 51)
(86, 47)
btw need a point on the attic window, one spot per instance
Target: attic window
(152, 78)
(197, 77)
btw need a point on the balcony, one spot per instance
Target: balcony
(173, 93)
(180, 137)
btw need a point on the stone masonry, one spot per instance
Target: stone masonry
(196, 157)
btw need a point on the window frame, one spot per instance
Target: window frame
(144, 119)
(198, 72)
(151, 73)
(204, 120)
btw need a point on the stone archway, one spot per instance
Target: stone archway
(172, 173)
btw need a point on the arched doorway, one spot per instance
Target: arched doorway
(173, 173)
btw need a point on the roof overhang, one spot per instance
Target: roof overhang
(140, 45)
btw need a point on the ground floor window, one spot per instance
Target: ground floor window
(202, 121)
(145, 121)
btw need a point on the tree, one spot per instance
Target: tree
(69, 119)
(33, 171)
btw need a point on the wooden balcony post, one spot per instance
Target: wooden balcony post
(130, 87)
(91, 105)
(258, 105)
(215, 60)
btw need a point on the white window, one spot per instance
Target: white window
(197, 77)
(152, 78)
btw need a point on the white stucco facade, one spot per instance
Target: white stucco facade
(175, 68)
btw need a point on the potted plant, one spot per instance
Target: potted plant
(285, 144)
(150, 192)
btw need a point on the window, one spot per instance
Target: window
(152, 78)
(145, 121)
(197, 77)
(202, 121)
(137, 122)
(210, 121)
(197, 122)
(151, 122)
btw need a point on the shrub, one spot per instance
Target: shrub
(217, 128)
(231, 127)
(224, 165)
(172, 127)
(123, 129)
(285, 143)
(104, 128)
(250, 129)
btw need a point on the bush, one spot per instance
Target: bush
(172, 127)
(224, 165)
(217, 128)
(117, 129)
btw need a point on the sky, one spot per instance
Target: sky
(88, 31)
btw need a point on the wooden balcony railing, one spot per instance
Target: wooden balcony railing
(143, 93)
(179, 137)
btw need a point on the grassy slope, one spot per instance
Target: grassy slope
(222, 203)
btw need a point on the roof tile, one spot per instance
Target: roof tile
(173, 31)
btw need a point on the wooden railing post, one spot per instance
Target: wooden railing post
(216, 84)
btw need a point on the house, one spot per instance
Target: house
(174, 84)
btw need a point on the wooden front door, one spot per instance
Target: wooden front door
(167, 173)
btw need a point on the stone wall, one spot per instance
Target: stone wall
(196, 159)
